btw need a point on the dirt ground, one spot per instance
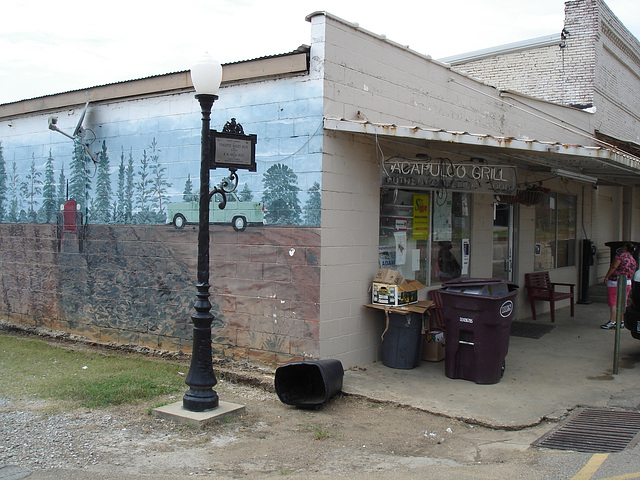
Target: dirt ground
(348, 437)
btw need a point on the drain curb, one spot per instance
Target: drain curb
(594, 430)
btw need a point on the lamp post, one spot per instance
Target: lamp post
(206, 75)
(230, 149)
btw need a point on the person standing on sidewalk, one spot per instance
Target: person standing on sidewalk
(623, 264)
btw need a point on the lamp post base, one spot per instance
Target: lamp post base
(200, 400)
(176, 413)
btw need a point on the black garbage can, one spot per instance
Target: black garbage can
(309, 384)
(632, 312)
(402, 342)
(478, 314)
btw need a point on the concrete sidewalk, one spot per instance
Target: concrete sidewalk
(544, 378)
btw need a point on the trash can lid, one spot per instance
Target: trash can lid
(477, 282)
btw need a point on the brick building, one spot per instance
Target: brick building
(592, 64)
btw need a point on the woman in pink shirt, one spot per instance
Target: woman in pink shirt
(623, 264)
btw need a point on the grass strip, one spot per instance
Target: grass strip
(33, 368)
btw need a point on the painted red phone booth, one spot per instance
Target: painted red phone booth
(70, 222)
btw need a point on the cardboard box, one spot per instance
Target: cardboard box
(418, 307)
(385, 275)
(403, 293)
(433, 347)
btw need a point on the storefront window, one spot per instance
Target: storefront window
(555, 237)
(451, 232)
(424, 237)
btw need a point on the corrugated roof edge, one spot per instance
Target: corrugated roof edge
(547, 40)
(603, 150)
(301, 49)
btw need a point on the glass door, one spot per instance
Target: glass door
(502, 241)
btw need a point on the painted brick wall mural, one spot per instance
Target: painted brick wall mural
(99, 235)
(134, 285)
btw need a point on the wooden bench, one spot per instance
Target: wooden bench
(540, 287)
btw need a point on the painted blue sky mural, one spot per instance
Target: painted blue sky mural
(146, 154)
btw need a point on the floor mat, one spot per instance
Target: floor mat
(594, 430)
(529, 330)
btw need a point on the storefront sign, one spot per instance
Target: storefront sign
(442, 173)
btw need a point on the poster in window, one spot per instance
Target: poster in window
(387, 256)
(421, 217)
(442, 227)
(401, 247)
(465, 256)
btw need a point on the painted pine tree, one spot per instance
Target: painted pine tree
(129, 190)
(13, 214)
(187, 194)
(159, 184)
(246, 195)
(49, 211)
(3, 187)
(80, 182)
(62, 187)
(280, 197)
(143, 187)
(312, 206)
(119, 216)
(31, 188)
(102, 199)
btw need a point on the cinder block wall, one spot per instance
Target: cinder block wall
(370, 78)
(350, 226)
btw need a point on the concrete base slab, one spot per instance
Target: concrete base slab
(177, 413)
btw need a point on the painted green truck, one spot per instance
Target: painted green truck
(238, 214)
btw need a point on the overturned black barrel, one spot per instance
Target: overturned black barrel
(309, 384)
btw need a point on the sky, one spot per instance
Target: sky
(53, 46)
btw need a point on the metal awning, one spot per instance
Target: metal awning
(610, 165)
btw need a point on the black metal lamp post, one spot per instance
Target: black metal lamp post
(230, 149)
(206, 75)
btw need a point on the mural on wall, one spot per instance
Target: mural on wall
(141, 195)
(123, 181)
(123, 197)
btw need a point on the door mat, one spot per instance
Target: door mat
(529, 330)
(594, 430)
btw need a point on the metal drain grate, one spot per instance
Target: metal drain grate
(593, 430)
